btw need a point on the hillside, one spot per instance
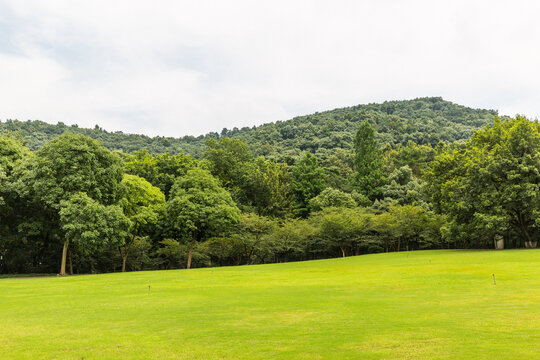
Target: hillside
(422, 120)
(407, 305)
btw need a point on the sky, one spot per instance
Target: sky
(175, 68)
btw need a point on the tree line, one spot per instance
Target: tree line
(422, 121)
(74, 206)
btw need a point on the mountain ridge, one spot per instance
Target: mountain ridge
(425, 120)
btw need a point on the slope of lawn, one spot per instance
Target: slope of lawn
(416, 305)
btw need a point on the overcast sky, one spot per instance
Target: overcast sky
(178, 68)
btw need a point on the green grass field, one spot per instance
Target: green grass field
(416, 305)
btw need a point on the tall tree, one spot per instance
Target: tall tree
(66, 166)
(142, 204)
(491, 184)
(199, 208)
(369, 177)
(308, 180)
(12, 152)
(90, 225)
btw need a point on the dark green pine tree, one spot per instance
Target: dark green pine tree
(369, 178)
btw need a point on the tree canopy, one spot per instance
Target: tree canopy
(490, 185)
(199, 208)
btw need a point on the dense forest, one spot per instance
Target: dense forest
(396, 176)
(423, 121)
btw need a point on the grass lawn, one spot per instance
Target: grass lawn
(416, 305)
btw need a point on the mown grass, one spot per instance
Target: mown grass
(416, 305)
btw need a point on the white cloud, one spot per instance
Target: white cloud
(178, 68)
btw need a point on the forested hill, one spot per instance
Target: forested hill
(422, 120)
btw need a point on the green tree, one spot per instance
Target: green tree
(68, 165)
(409, 223)
(266, 188)
(308, 180)
(416, 157)
(332, 198)
(490, 185)
(254, 230)
(403, 188)
(382, 225)
(142, 204)
(160, 170)
(227, 158)
(224, 250)
(12, 152)
(90, 225)
(339, 169)
(369, 177)
(294, 239)
(174, 254)
(199, 208)
(345, 229)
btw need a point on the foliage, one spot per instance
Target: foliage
(423, 121)
(174, 255)
(491, 184)
(142, 204)
(160, 170)
(266, 188)
(308, 180)
(416, 157)
(369, 177)
(68, 165)
(225, 250)
(227, 158)
(199, 208)
(91, 225)
(65, 167)
(403, 188)
(339, 170)
(332, 198)
(345, 229)
(253, 231)
(12, 150)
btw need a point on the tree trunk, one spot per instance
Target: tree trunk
(523, 228)
(124, 258)
(124, 254)
(64, 256)
(70, 264)
(342, 251)
(530, 244)
(190, 255)
(398, 244)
